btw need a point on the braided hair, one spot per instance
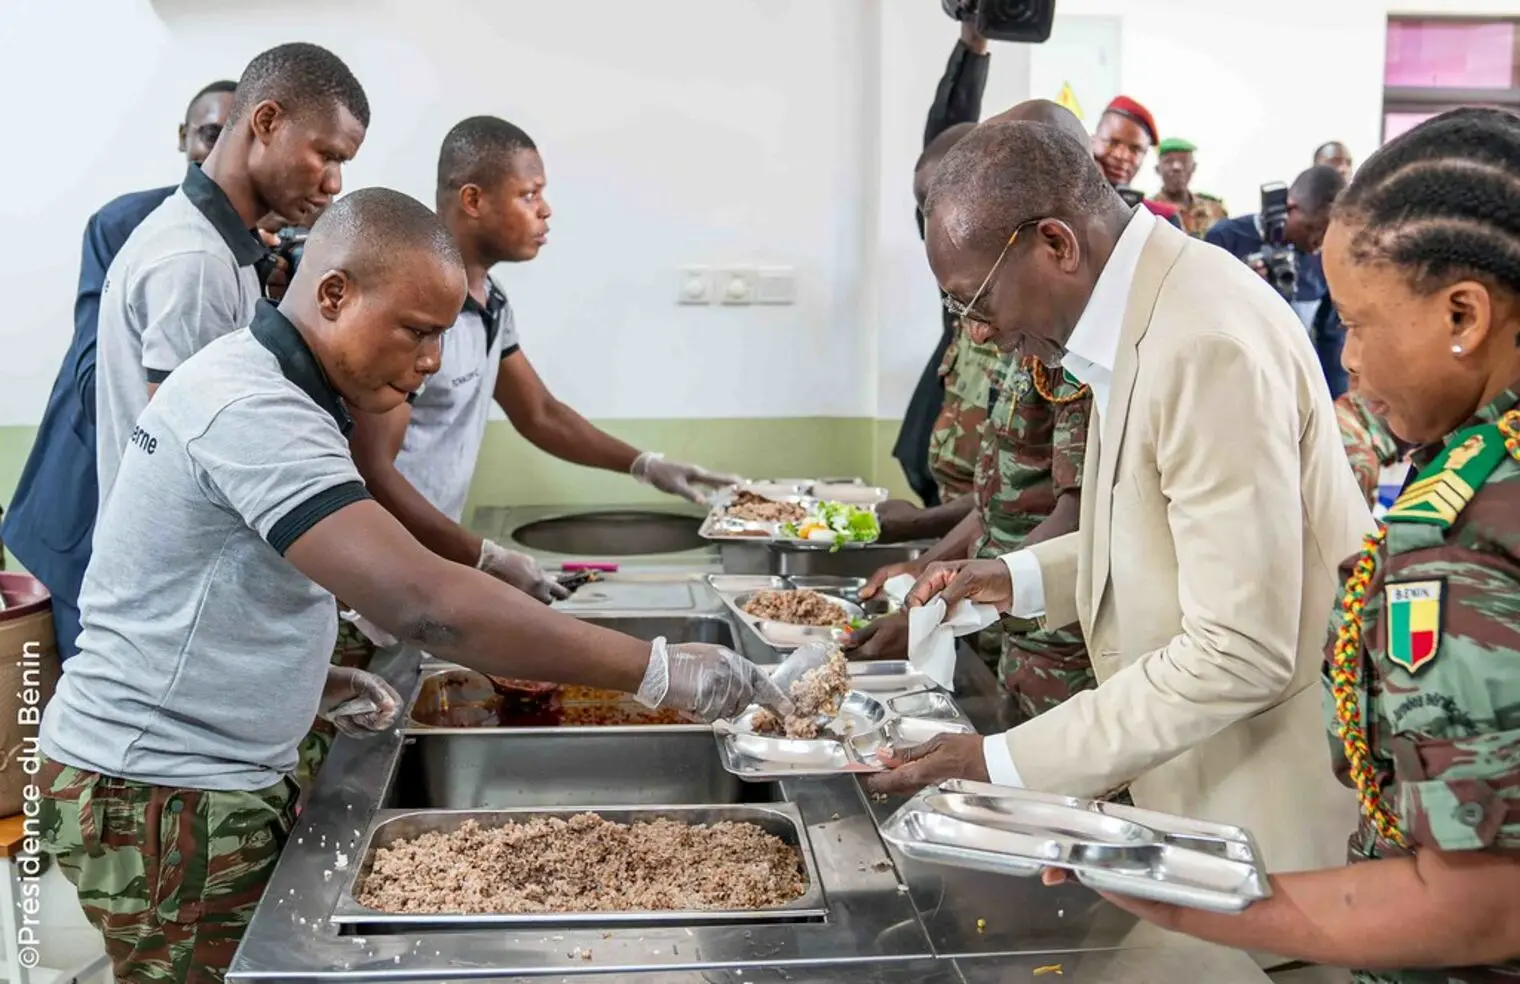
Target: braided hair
(1443, 200)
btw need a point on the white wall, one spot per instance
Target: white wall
(676, 132)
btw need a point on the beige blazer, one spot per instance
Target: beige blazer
(1217, 504)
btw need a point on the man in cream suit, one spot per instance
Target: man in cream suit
(1216, 504)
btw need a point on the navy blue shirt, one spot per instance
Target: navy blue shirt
(49, 523)
(1241, 238)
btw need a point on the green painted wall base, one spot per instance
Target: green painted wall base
(513, 472)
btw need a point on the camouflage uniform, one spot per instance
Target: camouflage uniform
(1033, 455)
(354, 649)
(1199, 211)
(170, 877)
(1369, 444)
(971, 373)
(1427, 677)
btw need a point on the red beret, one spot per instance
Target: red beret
(1125, 106)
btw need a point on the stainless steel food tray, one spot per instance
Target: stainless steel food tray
(1107, 847)
(888, 676)
(853, 741)
(804, 492)
(737, 590)
(389, 826)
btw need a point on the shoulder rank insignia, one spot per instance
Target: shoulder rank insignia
(1414, 622)
(1444, 489)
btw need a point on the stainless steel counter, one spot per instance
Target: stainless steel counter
(886, 922)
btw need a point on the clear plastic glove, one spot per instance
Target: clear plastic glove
(358, 703)
(520, 571)
(709, 681)
(674, 478)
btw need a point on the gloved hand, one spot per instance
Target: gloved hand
(520, 571)
(358, 703)
(709, 681)
(674, 478)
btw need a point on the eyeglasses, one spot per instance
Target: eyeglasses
(967, 311)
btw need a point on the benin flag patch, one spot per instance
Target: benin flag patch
(1414, 622)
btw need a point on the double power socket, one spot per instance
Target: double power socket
(737, 285)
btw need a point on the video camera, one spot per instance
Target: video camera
(1277, 256)
(1024, 21)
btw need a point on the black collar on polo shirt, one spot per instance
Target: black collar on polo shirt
(208, 196)
(275, 332)
(491, 311)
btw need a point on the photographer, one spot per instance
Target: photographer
(1281, 242)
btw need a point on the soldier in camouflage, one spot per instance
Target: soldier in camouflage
(1423, 667)
(1175, 164)
(1370, 446)
(1031, 461)
(971, 373)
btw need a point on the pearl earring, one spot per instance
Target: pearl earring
(1456, 350)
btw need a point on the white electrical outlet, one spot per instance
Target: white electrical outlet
(736, 286)
(694, 286)
(776, 285)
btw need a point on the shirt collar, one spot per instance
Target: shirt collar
(275, 332)
(1095, 340)
(490, 312)
(1490, 413)
(208, 196)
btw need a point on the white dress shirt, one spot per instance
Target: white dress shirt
(1090, 355)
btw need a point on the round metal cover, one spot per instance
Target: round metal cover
(623, 533)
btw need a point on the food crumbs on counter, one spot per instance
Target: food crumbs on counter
(1049, 969)
(981, 925)
(606, 936)
(834, 817)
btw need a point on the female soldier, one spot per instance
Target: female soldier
(1423, 668)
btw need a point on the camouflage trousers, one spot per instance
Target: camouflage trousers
(353, 648)
(170, 877)
(1042, 669)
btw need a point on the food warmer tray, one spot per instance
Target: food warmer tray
(389, 826)
(806, 493)
(1107, 846)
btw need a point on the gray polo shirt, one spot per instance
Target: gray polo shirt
(203, 651)
(184, 278)
(449, 414)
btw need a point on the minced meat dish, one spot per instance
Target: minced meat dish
(754, 508)
(584, 864)
(797, 608)
(818, 693)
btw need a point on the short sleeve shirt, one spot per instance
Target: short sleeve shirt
(185, 277)
(204, 651)
(449, 413)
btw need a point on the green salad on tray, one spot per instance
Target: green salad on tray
(837, 523)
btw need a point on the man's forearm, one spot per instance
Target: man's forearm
(937, 521)
(1452, 912)
(562, 432)
(421, 518)
(468, 618)
(959, 542)
(1063, 519)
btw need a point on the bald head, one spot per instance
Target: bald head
(1044, 111)
(1008, 172)
(373, 232)
(928, 161)
(379, 284)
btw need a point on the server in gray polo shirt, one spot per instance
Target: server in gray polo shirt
(419, 460)
(189, 274)
(208, 604)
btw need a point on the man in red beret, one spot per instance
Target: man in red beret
(1125, 134)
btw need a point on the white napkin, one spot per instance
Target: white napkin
(931, 634)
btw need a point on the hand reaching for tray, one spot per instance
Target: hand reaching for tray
(942, 757)
(884, 638)
(707, 680)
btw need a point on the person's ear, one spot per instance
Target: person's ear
(334, 291)
(184, 133)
